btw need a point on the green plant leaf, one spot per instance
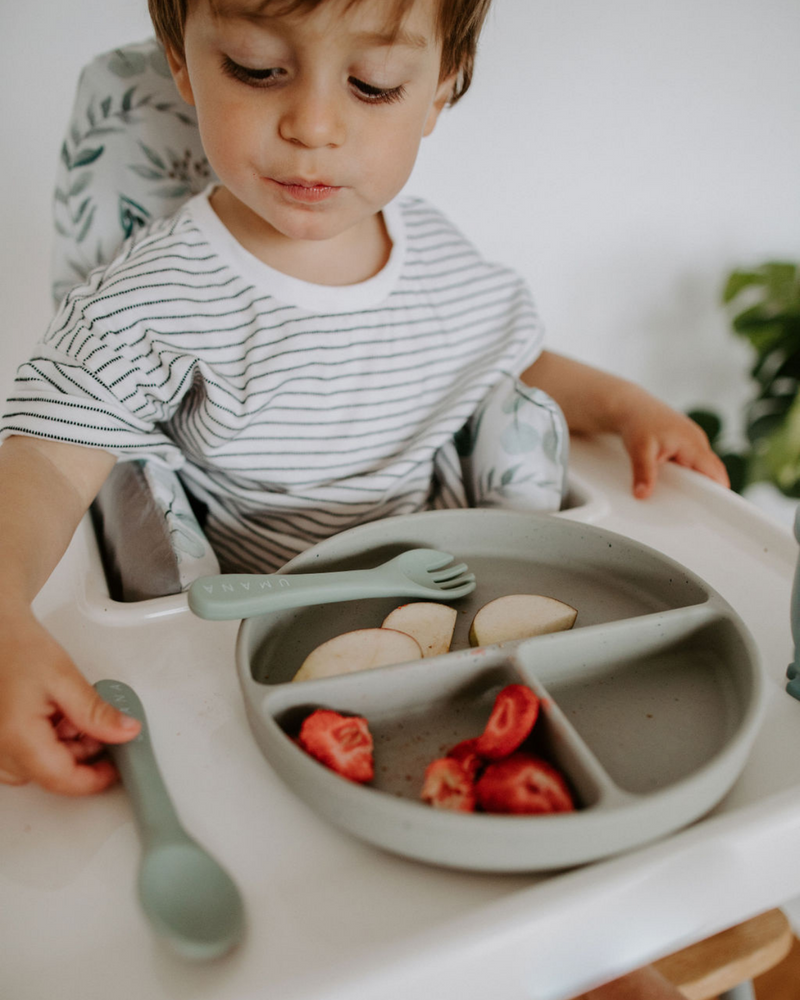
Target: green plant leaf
(709, 421)
(737, 469)
(738, 281)
(781, 279)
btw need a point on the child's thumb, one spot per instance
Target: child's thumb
(92, 715)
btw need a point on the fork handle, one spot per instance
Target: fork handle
(243, 595)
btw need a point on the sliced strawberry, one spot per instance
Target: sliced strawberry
(515, 711)
(465, 753)
(448, 786)
(341, 742)
(523, 783)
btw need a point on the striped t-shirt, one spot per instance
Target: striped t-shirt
(292, 410)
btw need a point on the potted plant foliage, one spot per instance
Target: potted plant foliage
(765, 307)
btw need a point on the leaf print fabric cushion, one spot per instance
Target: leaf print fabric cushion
(131, 153)
(514, 450)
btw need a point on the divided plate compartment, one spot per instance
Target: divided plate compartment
(649, 705)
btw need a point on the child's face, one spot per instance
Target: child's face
(312, 121)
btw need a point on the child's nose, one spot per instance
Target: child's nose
(312, 116)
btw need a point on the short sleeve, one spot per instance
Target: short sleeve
(89, 383)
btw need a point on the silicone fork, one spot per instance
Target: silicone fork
(415, 573)
(190, 901)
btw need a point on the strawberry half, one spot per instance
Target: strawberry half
(515, 710)
(448, 785)
(466, 754)
(341, 742)
(523, 783)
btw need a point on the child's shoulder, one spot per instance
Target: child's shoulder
(433, 236)
(153, 249)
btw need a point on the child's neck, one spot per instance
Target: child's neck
(350, 258)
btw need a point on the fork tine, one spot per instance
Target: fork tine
(447, 574)
(468, 580)
(435, 559)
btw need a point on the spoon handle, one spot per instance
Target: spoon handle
(136, 763)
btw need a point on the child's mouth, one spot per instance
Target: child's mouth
(308, 192)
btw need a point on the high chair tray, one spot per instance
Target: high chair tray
(332, 917)
(649, 705)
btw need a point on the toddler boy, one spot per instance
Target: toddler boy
(298, 340)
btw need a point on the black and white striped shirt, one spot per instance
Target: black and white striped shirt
(292, 410)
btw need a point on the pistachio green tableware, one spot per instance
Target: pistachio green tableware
(190, 901)
(414, 573)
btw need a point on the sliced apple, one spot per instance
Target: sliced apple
(430, 624)
(359, 650)
(519, 616)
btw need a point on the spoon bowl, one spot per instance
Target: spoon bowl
(190, 900)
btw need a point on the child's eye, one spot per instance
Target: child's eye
(254, 77)
(376, 95)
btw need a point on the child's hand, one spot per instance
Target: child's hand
(53, 724)
(595, 402)
(653, 433)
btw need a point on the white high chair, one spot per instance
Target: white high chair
(132, 152)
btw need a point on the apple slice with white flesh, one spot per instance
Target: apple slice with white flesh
(431, 624)
(519, 616)
(361, 649)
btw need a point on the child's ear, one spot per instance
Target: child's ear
(180, 74)
(443, 94)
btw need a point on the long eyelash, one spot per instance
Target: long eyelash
(255, 77)
(377, 95)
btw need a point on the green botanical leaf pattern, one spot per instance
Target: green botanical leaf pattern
(118, 164)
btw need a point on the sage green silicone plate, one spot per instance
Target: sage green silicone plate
(650, 704)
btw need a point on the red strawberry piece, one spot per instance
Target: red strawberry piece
(513, 715)
(341, 742)
(465, 753)
(448, 786)
(523, 783)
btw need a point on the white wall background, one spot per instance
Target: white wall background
(622, 154)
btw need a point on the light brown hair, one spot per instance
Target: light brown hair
(459, 24)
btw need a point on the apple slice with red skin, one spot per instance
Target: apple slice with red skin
(361, 649)
(429, 623)
(519, 616)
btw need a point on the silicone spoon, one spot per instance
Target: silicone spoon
(190, 901)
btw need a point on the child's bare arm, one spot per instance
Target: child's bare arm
(652, 432)
(52, 722)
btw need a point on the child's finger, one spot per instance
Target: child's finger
(88, 713)
(45, 760)
(712, 466)
(644, 460)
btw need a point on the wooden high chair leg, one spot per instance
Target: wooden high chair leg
(744, 991)
(726, 964)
